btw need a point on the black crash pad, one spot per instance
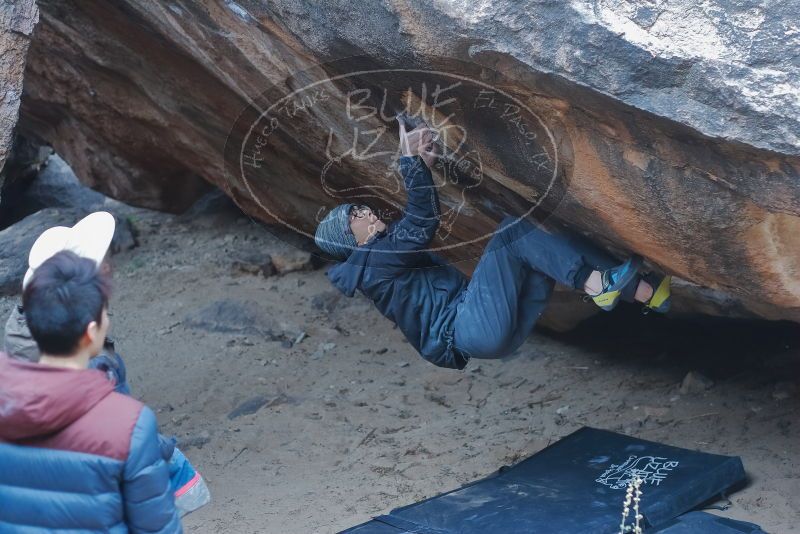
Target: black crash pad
(576, 485)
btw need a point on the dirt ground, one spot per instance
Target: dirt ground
(351, 423)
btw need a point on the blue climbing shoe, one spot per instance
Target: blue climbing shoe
(661, 299)
(615, 281)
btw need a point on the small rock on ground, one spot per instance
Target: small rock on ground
(695, 382)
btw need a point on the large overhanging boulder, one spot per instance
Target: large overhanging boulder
(667, 130)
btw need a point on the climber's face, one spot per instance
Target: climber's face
(364, 223)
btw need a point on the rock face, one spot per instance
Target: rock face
(667, 130)
(54, 186)
(23, 165)
(17, 19)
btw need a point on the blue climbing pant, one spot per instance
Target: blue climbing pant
(512, 283)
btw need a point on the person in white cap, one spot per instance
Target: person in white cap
(91, 238)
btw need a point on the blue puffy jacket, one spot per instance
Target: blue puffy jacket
(77, 456)
(412, 287)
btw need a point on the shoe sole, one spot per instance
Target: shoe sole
(661, 299)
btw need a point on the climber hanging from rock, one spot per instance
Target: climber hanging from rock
(446, 317)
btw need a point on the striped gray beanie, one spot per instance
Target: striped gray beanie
(334, 235)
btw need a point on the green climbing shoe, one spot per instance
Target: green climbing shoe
(615, 280)
(661, 299)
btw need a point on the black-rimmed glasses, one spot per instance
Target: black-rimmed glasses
(359, 211)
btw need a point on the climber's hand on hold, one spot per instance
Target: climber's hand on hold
(418, 142)
(428, 150)
(405, 150)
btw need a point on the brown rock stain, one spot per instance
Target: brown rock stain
(636, 158)
(774, 251)
(594, 186)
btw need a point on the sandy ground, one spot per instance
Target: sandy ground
(353, 423)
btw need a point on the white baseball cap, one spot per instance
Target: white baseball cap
(89, 238)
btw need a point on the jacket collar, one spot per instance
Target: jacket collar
(36, 399)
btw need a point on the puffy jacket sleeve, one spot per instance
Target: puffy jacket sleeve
(418, 226)
(148, 497)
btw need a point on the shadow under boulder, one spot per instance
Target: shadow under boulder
(712, 346)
